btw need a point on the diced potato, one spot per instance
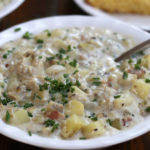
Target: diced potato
(93, 129)
(44, 95)
(116, 124)
(12, 82)
(75, 107)
(20, 117)
(146, 61)
(55, 69)
(46, 131)
(140, 88)
(79, 95)
(39, 69)
(59, 44)
(86, 46)
(84, 72)
(125, 100)
(42, 36)
(57, 33)
(72, 125)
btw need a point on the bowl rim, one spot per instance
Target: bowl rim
(10, 7)
(69, 21)
(142, 23)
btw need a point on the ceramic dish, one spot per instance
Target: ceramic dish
(142, 21)
(10, 7)
(74, 21)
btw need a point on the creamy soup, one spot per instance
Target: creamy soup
(64, 83)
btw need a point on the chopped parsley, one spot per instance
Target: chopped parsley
(109, 122)
(125, 75)
(5, 100)
(5, 56)
(35, 95)
(30, 114)
(93, 117)
(43, 109)
(73, 63)
(147, 109)
(29, 133)
(76, 71)
(40, 57)
(117, 96)
(62, 51)
(55, 126)
(66, 75)
(83, 138)
(78, 83)
(48, 33)
(17, 29)
(94, 100)
(51, 123)
(96, 81)
(7, 117)
(50, 58)
(27, 105)
(137, 65)
(27, 36)
(147, 80)
(130, 61)
(39, 41)
(44, 86)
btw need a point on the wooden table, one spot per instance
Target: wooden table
(33, 9)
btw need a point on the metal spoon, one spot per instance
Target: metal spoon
(133, 50)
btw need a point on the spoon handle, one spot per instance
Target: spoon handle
(133, 50)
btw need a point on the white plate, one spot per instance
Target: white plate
(39, 25)
(142, 21)
(10, 8)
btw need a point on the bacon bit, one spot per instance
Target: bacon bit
(109, 84)
(18, 89)
(52, 62)
(54, 115)
(126, 120)
(139, 73)
(6, 65)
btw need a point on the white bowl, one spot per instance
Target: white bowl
(142, 21)
(38, 25)
(10, 8)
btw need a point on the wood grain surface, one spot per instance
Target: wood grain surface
(32, 9)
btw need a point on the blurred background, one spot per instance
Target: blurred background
(32, 9)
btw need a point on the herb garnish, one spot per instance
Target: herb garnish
(73, 63)
(39, 41)
(30, 114)
(137, 65)
(109, 122)
(96, 81)
(51, 123)
(27, 36)
(29, 133)
(147, 109)
(17, 29)
(5, 56)
(48, 33)
(82, 138)
(125, 75)
(27, 105)
(93, 117)
(117, 96)
(7, 117)
(5, 100)
(147, 80)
